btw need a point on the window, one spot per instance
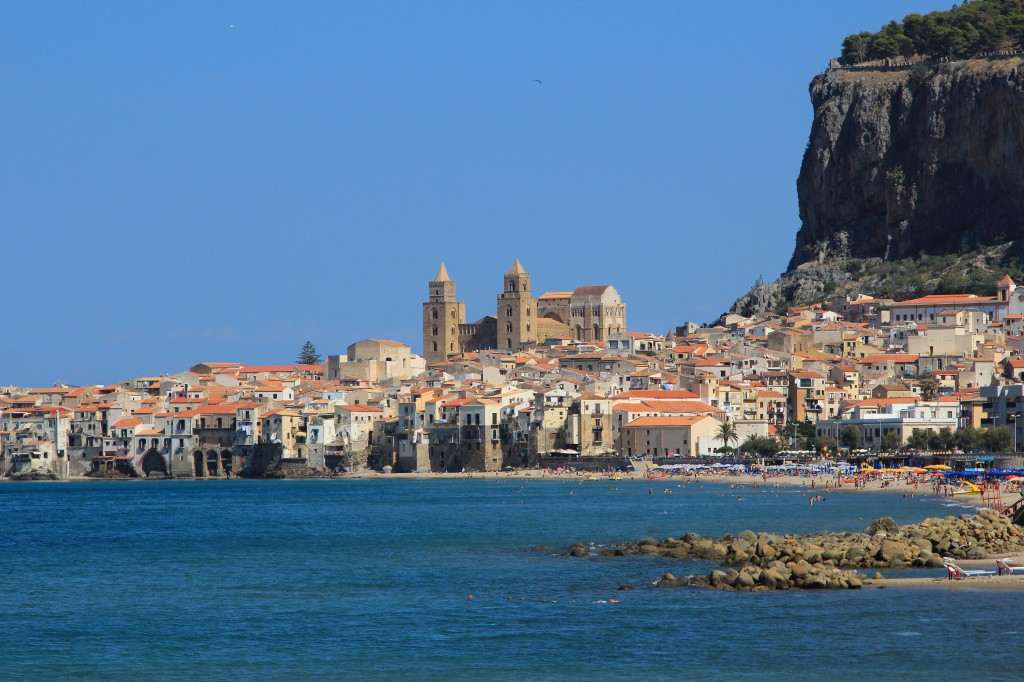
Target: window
(433, 331)
(433, 313)
(508, 311)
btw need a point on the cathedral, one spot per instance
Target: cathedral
(589, 313)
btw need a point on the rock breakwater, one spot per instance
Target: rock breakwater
(771, 561)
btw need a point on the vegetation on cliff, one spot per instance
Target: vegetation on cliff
(972, 28)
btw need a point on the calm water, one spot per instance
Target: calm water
(371, 580)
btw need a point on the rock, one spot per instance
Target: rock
(976, 553)
(717, 578)
(744, 580)
(799, 570)
(890, 550)
(716, 552)
(885, 524)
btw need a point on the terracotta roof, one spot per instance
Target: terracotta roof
(358, 408)
(125, 423)
(942, 299)
(648, 422)
(656, 395)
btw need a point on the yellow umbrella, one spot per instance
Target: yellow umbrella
(939, 467)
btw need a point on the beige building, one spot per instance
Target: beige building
(593, 313)
(374, 359)
(588, 314)
(666, 435)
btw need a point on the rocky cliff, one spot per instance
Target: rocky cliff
(905, 162)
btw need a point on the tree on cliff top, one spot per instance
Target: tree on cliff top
(308, 355)
(968, 29)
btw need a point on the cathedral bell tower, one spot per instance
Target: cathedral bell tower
(517, 324)
(442, 316)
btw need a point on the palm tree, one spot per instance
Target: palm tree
(727, 433)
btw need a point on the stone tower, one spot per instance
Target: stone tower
(517, 323)
(442, 316)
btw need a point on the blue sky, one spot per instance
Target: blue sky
(174, 190)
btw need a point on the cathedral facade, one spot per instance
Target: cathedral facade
(588, 313)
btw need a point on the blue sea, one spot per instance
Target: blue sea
(452, 580)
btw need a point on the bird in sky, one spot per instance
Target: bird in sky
(537, 82)
(231, 25)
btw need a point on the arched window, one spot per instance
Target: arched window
(433, 330)
(527, 326)
(508, 311)
(433, 313)
(453, 330)
(510, 343)
(435, 346)
(527, 312)
(453, 314)
(508, 327)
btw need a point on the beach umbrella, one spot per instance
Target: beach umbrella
(939, 467)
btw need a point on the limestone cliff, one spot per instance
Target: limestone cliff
(904, 163)
(910, 161)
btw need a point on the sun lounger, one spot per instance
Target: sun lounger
(1002, 568)
(954, 572)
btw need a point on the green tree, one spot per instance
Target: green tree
(789, 432)
(967, 439)
(941, 440)
(765, 446)
(998, 439)
(850, 437)
(824, 445)
(308, 355)
(805, 429)
(855, 47)
(891, 441)
(726, 434)
(929, 386)
(919, 440)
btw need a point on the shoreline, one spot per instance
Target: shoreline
(821, 484)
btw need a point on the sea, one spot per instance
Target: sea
(454, 580)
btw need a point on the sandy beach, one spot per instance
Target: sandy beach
(897, 485)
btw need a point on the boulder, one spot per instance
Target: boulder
(885, 524)
(891, 550)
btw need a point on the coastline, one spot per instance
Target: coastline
(739, 481)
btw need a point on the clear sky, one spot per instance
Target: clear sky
(174, 190)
